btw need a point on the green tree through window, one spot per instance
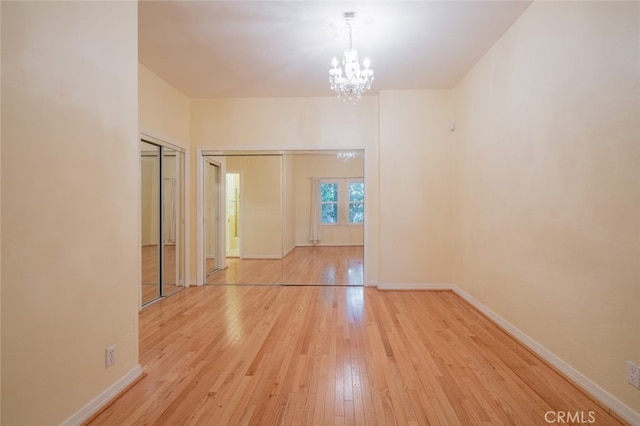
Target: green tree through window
(356, 202)
(329, 202)
(342, 201)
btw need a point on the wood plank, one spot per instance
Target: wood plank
(335, 355)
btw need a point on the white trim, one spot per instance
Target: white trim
(261, 256)
(222, 150)
(186, 228)
(328, 245)
(589, 386)
(414, 286)
(97, 403)
(199, 217)
(201, 159)
(162, 140)
(273, 150)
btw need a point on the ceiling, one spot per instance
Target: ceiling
(284, 48)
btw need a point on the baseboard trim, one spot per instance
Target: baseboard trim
(104, 398)
(261, 256)
(328, 245)
(415, 286)
(586, 384)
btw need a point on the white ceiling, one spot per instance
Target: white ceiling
(284, 48)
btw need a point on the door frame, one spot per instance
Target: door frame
(181, 226)
(371, 249)
(202, 160)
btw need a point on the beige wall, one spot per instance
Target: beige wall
(260, 205)
(70, 232)
(319, 166)
(163, 110)
(296, 123)
(415, 187)
(548, 184)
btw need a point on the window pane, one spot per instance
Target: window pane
(329, 192)
(356, 191)
(329, 213)
(356, 212)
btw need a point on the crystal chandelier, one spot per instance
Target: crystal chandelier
(353, 81)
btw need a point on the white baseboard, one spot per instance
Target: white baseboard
(103, 398)
(414, 286)
(262, 256)
(330, 245)
(581, 380)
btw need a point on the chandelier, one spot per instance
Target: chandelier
(353, 81)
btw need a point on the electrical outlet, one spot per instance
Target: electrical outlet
(109, 356)
(633, 375)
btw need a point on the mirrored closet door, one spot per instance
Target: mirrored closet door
(162, 220)
(283, 217)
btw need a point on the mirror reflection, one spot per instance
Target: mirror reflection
(162, 210)
(150, 220)
(250, 232)
(293, 218)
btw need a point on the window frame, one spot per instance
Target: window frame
(343, 204)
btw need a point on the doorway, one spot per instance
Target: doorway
(233, 214)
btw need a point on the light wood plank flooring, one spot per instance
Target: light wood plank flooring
(232, 355)
(150, 272)
(336, 265)
(340, 265)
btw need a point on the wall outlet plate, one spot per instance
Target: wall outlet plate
(109, 356)
(633, 374)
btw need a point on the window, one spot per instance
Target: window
(329, 202)
(342, 201)
(356, 202)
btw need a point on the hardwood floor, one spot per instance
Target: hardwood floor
(150, 272)
(231, 355)
(341, 265)
(337, 265)
(248, 272)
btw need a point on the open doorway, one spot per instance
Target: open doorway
(233, 214)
